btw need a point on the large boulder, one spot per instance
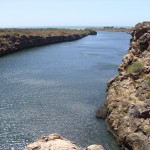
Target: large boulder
(57, 142)
(137, 141)
(95, 147)
(52, 142)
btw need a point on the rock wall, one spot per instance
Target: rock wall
(10, 43)
(128, 94)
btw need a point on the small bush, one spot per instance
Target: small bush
(148, 82)
(4, 43)
(147, 130)
(91, 31)
(135, 67)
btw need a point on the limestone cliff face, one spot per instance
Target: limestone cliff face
(128, 94)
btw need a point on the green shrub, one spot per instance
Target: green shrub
(4, 43)
(135, 67)
(148, 82)
(91, 31)
(147, 130)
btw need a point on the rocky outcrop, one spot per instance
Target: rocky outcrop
(57, 142)
(22, 40)
(128, 94)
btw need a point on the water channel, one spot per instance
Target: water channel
(57, 89)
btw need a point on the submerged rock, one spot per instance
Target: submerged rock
(102, 112)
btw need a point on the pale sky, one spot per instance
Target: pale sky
(29, 13)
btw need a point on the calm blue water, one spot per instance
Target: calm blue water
(58, 88)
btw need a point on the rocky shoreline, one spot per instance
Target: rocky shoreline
(57, 142)
(12, 40)
(128, 94)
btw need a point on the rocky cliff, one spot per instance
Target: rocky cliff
(12, 40)
(128, 94)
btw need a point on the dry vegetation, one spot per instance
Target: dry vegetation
(12, 40)
(41, 32)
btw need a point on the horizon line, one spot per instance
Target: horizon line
(59, 26)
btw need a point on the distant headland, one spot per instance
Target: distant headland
(113, 29)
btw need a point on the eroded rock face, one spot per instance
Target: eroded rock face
(10, 42)
(57, 142)
(19, 42)
(128, 94)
